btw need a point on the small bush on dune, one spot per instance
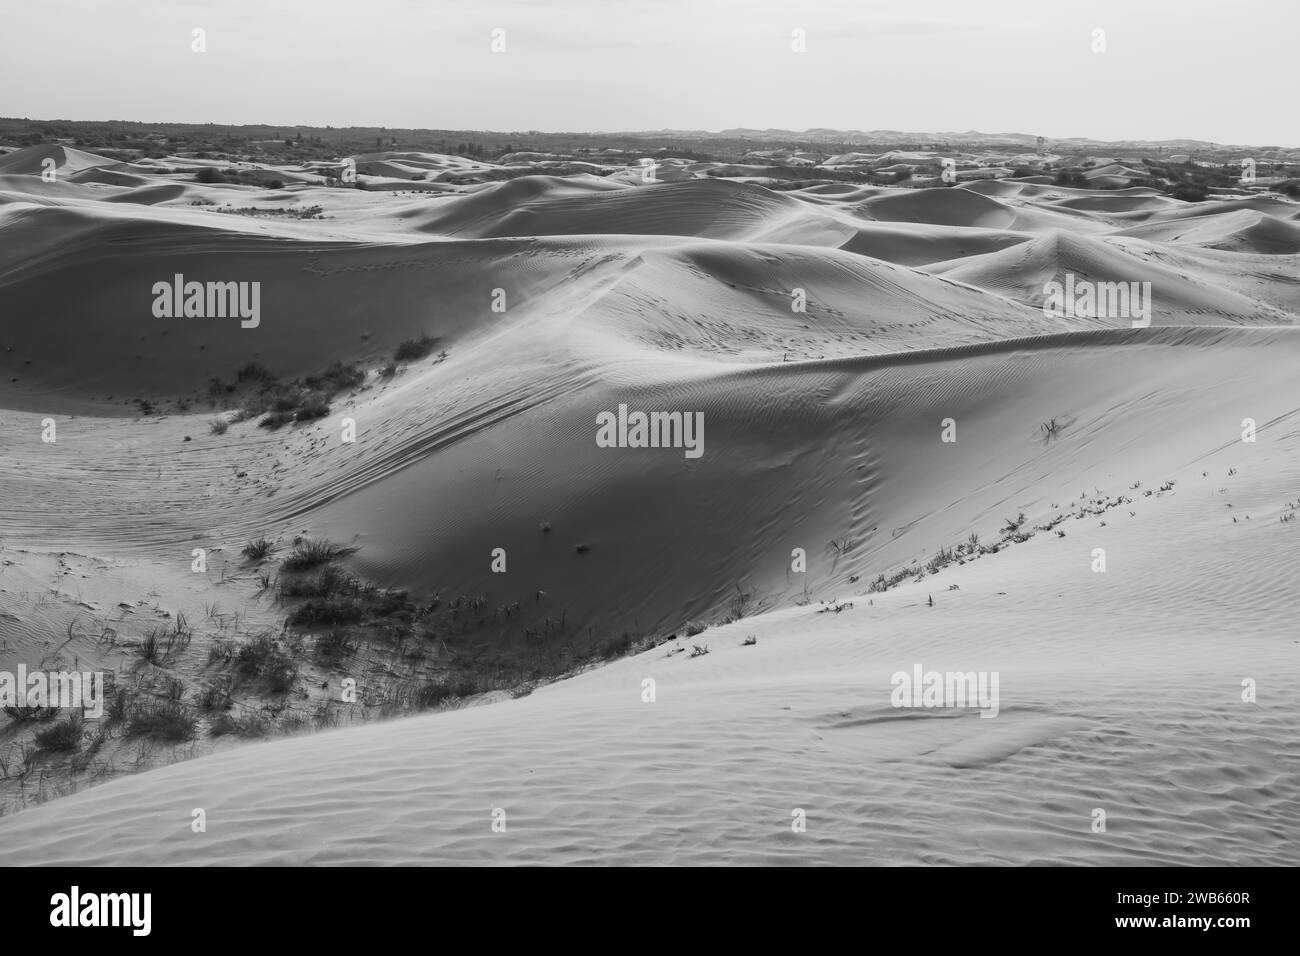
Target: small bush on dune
(335, 644)
(329, 582)
(337, 378)
(218, 426)
(276, 420)
(288, 401)
(415, 349)
(313, 407)
(258, 548)
(166, 720)
(64, 736)
(249, 725)
(311, 554)
(215, 697)
(25, 713)
(209, 175)
(328, 611)
(253, 372)
(262, 657)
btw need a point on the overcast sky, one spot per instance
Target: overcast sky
(1219, 70)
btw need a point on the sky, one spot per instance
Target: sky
(1216, 70)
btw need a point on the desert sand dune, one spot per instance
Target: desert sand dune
(827, 335)
(1136, 711)
(1177, 298)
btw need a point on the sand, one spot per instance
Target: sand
(1121, 690)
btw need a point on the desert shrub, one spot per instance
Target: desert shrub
(215, 697)
(150, 649)
(276, 420)
(312, 407)
(258, 548)
(415, 349)
(334, 645)
(218, 426)
(336, 378)
(263, 658)
(287, 401)
(25, 713)
(253, 372)
(64, 736)
(329, 582)
(311, 554)
(249, 725)
(327, 611)
(210, 175)
(165, 720)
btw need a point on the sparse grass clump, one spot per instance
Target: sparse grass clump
(412, 350)
(215, 697)
(164, 720)
(337, 378)
(253, 372)
(275, 420)
(218, 426)
(328, 611)
(311, 554)
(150, 648)
(26, 713)
(258, 548)
(312, 407)
(329, 582)
(248, 725)
(65, 736)
(262, 658)
(334, 645)
(941, 560)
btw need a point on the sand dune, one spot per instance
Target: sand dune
(1021, 272)
(826, 335)
(1123, 696)
(34, 160)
